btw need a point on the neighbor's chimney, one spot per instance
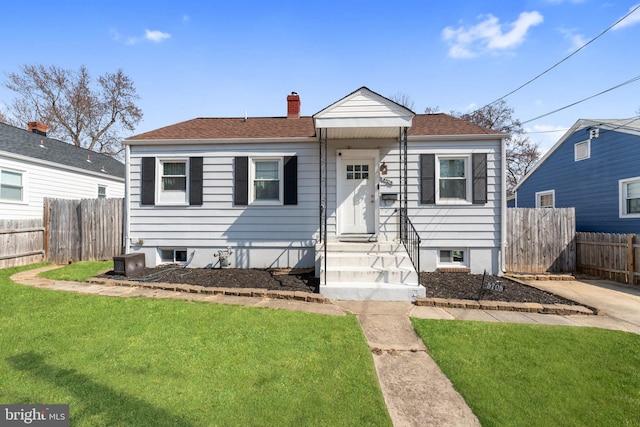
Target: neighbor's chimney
(37, 127)
(293, 106)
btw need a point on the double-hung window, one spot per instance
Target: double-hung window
(630, 197)
(267, 180)
(11, 185)
(453, 179)
(173, 181)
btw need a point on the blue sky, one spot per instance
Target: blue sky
(221, 59)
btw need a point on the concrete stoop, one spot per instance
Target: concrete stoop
(367, 271)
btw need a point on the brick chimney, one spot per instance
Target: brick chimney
(37, 127)
(293, 106)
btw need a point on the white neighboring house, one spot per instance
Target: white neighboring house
(326, 191)
(33, 167)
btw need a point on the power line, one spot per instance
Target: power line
(566, 58)
(585, 99)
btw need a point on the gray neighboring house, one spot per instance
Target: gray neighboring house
(33, 166)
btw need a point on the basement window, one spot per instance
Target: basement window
(173, 256)
(452, 257)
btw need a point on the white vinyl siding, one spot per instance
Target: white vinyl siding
(40, 181)
(276, 229)
(287, 234)
(629, 193)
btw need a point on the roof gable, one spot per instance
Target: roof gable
(24, 143)
(630, 126)
(364, 108)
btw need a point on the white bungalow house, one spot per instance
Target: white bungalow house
(33, 166)
(365, 190)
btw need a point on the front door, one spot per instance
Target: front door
(356, 195)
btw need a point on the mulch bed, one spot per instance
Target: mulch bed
(438, 285)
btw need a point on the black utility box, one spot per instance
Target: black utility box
(125, 265)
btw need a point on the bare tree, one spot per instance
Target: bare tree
(73, 108)
(522, 153)
(432, 110)
(402, 99)
(3, 118)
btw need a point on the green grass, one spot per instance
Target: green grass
(138, 361)
(79, 271)
(528, 375)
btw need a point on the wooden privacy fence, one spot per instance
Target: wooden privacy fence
(21, 242)
(541, 240)
(83, 230)
(611, 256)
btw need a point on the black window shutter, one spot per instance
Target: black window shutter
(147, 190)
(427, 179)
(479, 161)
(195, 181)
(291, 180)
(241, 181)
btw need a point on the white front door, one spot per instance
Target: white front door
(356, 195)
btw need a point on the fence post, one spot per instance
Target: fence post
(47, 228)
(630, 258)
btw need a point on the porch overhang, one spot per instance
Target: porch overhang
(363, 114)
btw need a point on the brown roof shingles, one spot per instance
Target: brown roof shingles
(281, 127)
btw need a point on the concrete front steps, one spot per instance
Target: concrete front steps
(367, 271)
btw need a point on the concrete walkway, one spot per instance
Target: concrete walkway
(415, 390)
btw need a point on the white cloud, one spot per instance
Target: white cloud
(488, 35)
(152, 36)
(630, 20)
(156, 36)
(185, 18)
(576, 40)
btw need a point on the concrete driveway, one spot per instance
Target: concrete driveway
(619, 304)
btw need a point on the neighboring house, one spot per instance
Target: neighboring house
(594, 167)
(33, 167)
(275, 190)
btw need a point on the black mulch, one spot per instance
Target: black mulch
(438, 285)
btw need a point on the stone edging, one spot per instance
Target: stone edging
(528, 307)
(197, 289)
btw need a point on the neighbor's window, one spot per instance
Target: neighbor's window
(630, 197)
(453, 179)
(173, 255)
(11, 185)
(102, 192)
(267, 182)
(582, 150)
(173, 181)
(452, 257)
(545, 199)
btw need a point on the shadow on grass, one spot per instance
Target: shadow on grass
(100, 402)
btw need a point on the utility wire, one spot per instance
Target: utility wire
(564, 59)
(585, 99)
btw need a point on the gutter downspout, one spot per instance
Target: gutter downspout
(127, 197)
(503, 206)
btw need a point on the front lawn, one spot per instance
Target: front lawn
(139, 361)
(528, 375)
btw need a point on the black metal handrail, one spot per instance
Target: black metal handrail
(410, 239)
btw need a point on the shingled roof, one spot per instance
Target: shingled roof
(281, 127)
(22, 142)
